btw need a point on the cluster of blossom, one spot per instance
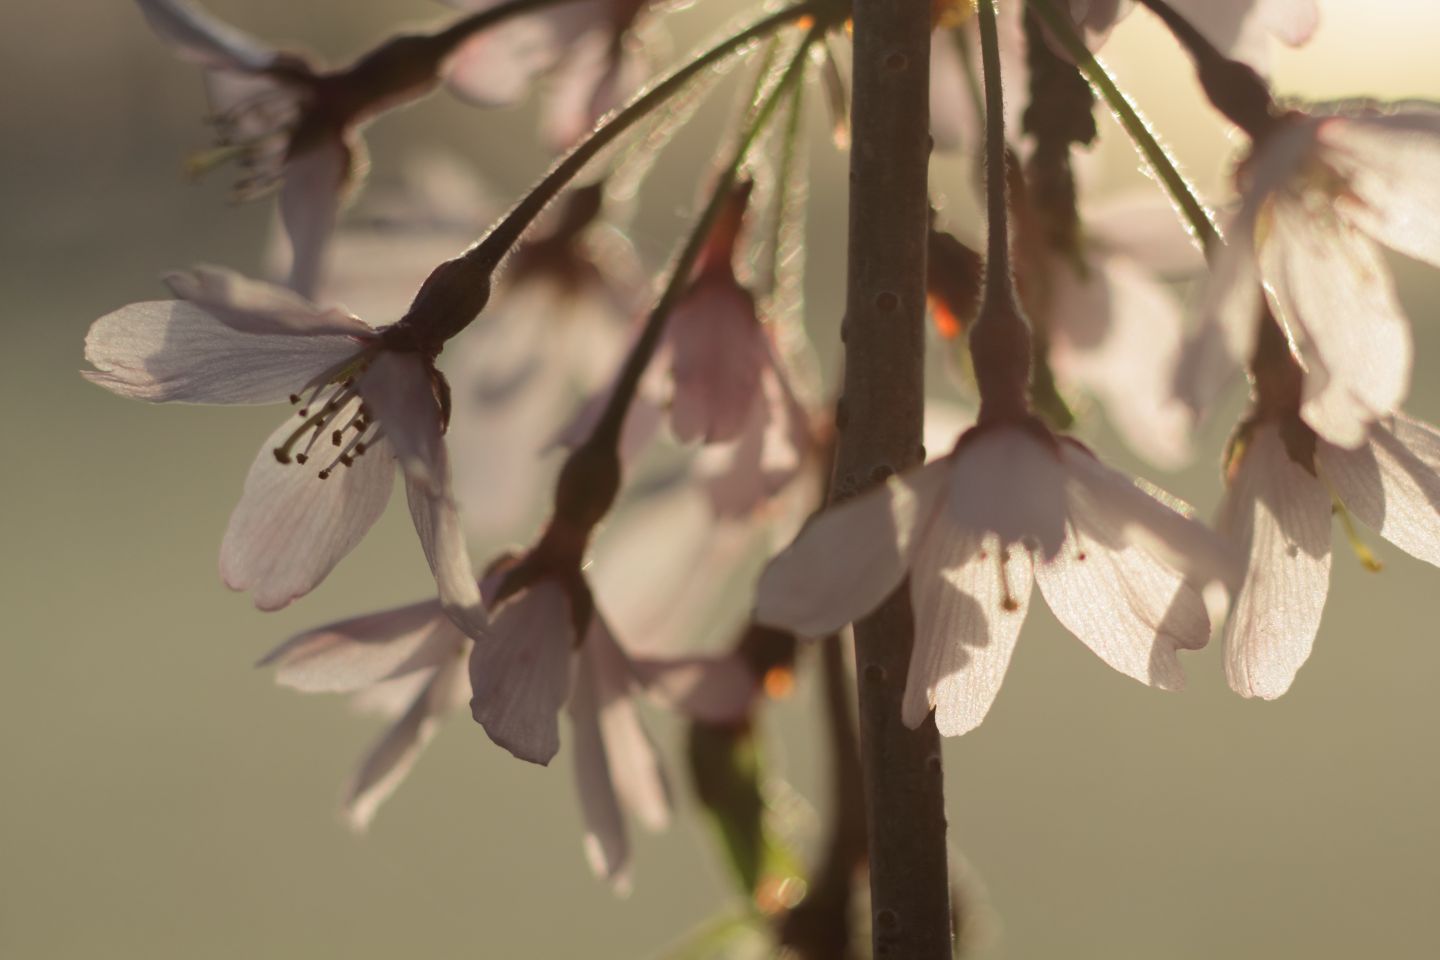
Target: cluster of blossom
(561, 374)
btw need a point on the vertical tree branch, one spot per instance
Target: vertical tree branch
(880, 419)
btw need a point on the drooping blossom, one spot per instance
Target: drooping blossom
(1284, 483)
(545, 653)
(366, 399)
(1010, 508)
(293, 125)
(1239, 29)
(1321, 197)
(407, 664)
(589, 49)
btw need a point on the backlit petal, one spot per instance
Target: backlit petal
(201, 38)
(1392, 484)
(1392, 164)
(315, 182)
(253, 306)
(1009, 482)
(173, 351)
(970, 593)
(852, 556)
(1279, 514)
(718, 352)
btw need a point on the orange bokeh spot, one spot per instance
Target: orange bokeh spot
(779, 682)
(946, 323)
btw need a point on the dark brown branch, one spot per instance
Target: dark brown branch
(879, 420)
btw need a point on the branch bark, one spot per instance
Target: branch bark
(879, 420)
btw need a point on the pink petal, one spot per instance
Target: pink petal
(1324, 275)
(437, 522)
(1231, 301)
(1118, 512)
(315, 181)
(970, 593)
(172, 351)
(634, 766)
(256, 307)
(200, 38)
(1392, 483)
(1008, 482)
(1392, 164)
(1241, 29)
(591, 80)
(1144, 227)
(520, 673)
(1279, 514)
(953, 123)
(719, 350)
(607, 844)
(357, 653)
(397, 386)
(1130, 605)
(388, 762)
(291, 528)
(497, 66)
(1117, 334)
(851, 557)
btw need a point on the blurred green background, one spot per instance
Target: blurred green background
(163, 799)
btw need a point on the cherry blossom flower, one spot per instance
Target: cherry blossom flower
(366, 400)
(1321, 197)
(1011, 507)
(589, 48)
(1283, 486)
(530, 666)
(407, 664)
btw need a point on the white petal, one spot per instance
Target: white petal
(173, 351)
(389, 761)
(970, 594)
(437, 523)
(1241, 29)
(852, 556)
(1229, 317)
(953, 123)
(357, 653)
(291, 528)
(253, 306)
(1392, 483)
(1333, 292)
(1393, 168)
(1009, 482)
(1279, 514)
(1117, 334)
(607, 845)
(520, 673)
(718, 351)
(201, 38)
(634, 765)
(1125, 602)
(1120, 512)
(398, 388)
(315, 181)
(497, 66)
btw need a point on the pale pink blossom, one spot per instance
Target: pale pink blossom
(1239, 29)
(955, 116)
(1321, 197)
(407, 664)
(1010, 508)
(1279, 510)
(324, 477)
(589, 49)
(530, 666)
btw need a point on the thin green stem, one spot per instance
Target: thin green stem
(1197, 215)
(607, 429)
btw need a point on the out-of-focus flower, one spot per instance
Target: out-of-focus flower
(1009, 508)
(367, 397)
(1239, 29)
(1278, 508)
(589, 48)
(956, 113)
(531, 665)
(1321, 196)
(407, 664)
(552, 335)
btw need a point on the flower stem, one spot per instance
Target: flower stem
(879, 423)
(607, 429)
(1197, 216)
